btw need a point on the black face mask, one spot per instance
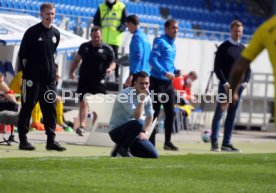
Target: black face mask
(110, 5)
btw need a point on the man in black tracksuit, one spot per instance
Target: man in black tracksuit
(36, 55)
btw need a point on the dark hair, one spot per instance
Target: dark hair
(194, 74)
(46, 5)
(133, 19)
(95, 28)
(141, 74)
(169, 22)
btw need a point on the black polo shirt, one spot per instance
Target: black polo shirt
(95, 61)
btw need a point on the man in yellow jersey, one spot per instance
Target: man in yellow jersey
(263, 38)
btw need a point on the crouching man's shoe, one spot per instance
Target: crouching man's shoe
(25, 145)
(115, 150)
(55, 146)
(124, 153)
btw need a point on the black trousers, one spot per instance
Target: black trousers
(45, 94)
(167, 100)
(115, 50)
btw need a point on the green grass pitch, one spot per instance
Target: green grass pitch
(191, 173)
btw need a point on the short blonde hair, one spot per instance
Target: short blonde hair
(236, 23)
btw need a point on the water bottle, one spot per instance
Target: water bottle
(160, 128)
(89, 121)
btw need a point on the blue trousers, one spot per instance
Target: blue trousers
(126, 136)
(229, 121)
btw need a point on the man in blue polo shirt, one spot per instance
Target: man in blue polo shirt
(161, 60)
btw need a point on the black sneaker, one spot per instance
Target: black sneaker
(170, 146)
(25, 145)
(80, 131)
(215, 147)
(55, 146)
(122, 152)
(229, 148)
(115, 150)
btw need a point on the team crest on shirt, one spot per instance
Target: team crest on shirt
(29, 83)
(54, 39)
(86, 49)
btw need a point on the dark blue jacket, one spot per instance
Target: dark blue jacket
(226, 56)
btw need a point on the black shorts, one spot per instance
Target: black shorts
(90, 89)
